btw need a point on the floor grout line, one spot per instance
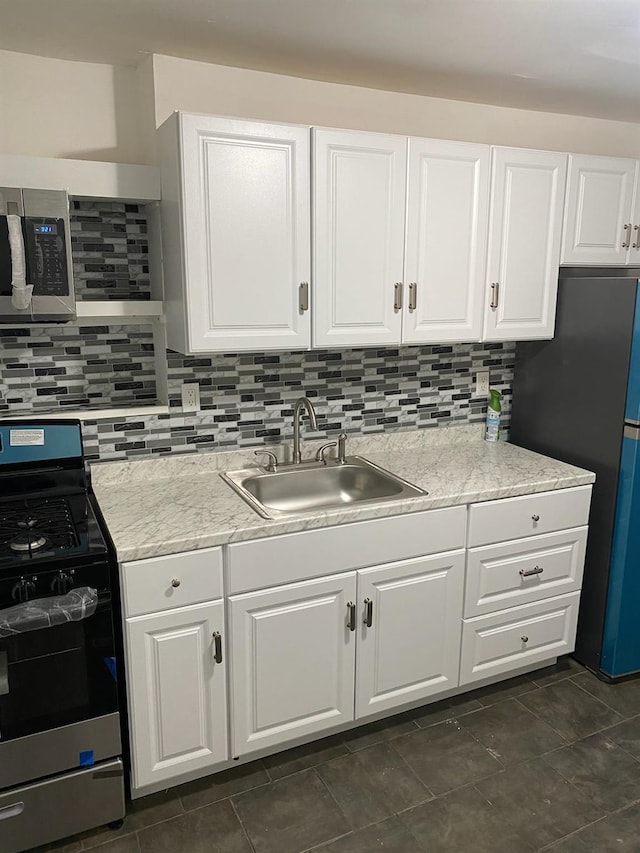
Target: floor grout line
(242, 826)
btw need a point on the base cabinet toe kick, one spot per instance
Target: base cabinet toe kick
(238, 651)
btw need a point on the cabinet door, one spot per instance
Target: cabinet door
(598, 218)
(246, 212)
(525, 227)
(411, 650)
(447, 217)
(177, 692)
(634, 251)
(293, 663)
(359, 207)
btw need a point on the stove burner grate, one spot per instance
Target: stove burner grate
(35, 526)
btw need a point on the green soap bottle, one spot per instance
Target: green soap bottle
(494, 409)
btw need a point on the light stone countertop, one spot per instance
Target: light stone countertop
(179, 503)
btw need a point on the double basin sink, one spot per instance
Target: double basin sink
(318, 486)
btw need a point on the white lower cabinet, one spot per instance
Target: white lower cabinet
(177, 692)
(293, 661)
(496, 644)
(319, 636)
(409, 631)
(313, 655)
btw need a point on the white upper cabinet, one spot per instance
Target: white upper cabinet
(525, 229)
(359, 184)
(601, 226)
(447, 217)
(236, 234)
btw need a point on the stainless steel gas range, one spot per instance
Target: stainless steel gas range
(60, 765)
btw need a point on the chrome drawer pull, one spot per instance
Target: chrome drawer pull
(175, 583)
(536, 570)
(535, 518)
(524, 638)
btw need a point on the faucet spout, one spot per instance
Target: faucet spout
(302, 403)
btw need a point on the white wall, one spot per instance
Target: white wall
(202, 87)
(56, 108)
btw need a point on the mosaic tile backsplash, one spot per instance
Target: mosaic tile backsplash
(245, 399)
(110, 250)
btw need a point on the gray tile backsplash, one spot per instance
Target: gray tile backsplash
(245, 399)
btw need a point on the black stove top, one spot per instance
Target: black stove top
(50, 536)
(58, 530)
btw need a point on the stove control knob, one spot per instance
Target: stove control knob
(62, 583)
(23, 590)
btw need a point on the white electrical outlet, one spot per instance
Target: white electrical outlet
(190, 392)
(482, 383)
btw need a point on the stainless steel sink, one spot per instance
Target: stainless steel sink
(317, 485)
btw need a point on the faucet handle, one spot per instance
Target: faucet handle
(272, 464)
(321, 451)
(342, 441)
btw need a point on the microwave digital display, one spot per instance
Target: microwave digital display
(45, 229)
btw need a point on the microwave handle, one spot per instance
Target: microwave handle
(20, 290)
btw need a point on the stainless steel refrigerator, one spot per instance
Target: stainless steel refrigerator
(577, 398)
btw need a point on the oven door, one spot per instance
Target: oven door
(58, 698)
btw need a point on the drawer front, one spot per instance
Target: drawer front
(314, 553)
(497, 644)
(60, 806)
(530, 515)
(177, 580)
(514, 573)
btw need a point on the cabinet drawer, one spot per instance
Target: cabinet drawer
(514, 573)
(177, 580)
(512, 518)
(313, 553)
(496, 644)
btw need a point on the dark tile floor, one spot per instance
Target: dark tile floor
(549, 761)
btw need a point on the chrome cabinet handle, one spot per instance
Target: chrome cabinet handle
(368, 612)
(217, 644)
(397, 296)
(626, 240)
(495, 294)
(175, 583)
(524, 638)
(303, 294)
(636, 245)
(535, 518)
(272, 464)
(351, 616)
(536, 570)
(413, 295)
(322, 450)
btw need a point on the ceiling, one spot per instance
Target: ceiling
(573, 56)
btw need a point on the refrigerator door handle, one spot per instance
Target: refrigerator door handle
(632, 430)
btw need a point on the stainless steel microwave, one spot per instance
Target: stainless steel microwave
(36, 272)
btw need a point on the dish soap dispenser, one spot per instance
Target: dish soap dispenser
(494, 408)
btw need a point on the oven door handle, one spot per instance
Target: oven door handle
(4, 674)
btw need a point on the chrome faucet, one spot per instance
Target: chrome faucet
(302, 403)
